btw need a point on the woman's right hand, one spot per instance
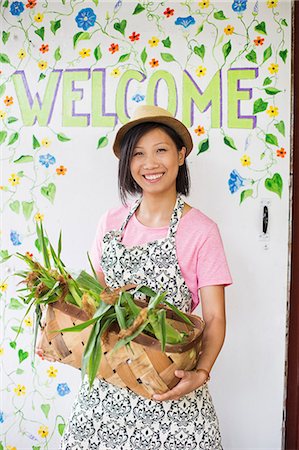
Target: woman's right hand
(38, 349)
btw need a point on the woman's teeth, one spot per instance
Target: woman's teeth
(153, 177)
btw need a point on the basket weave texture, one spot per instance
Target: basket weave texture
(143, 368)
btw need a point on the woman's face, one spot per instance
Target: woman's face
(155, 162)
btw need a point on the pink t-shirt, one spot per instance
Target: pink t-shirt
(199, 246)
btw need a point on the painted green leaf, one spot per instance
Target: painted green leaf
(261, 28)
(267, 53)
(21, 174)
(259, 106)
(5, 36)
(41, 76)
(15, 206)
(96, 2)
(62, 137)
(138, 9)
(35, 142)
(272, 91)
(13, 138)
(55, 25)
(200, 28)
(280, 126)
(2, 89)
(98, 52)
(274, 184)
(120, 26)
(27, 209)
(251, 56)
(200, 51)
(4, 58)
(219, 15)
(17, 329)
(271, 139)
(13, 344)
(124, 57)
(143, 55)
(4, 255)
(24, 159)
(45, 407)
(203, 146)
(102, 142)
(37, 245)
(19, 371)
(40, 32)
(220, 40)
(49, 192)
(82, 35)
(12, 119)
(3, 135)
(284, 23)
(230, 142)
(267, 81)
(22, 355)
(1, 445)
(61, 427)
(245, 194)
(226, 49)
(167, 57)
(5, 4)
(283, 54)
(166, 42)
(15, 304)
(262, 155)
(57, 54)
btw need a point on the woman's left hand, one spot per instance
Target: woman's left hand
(190, 380)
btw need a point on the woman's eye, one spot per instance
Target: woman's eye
(137, 154)
(161, 149)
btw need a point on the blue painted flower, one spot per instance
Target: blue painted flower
(16, 8)
(239, 5)
(86, 18)
(46, 160)
(15, 237)
(1, 416)
(185, 21)
(138, 98)
(117, 5)
(63, 389)
(235, 181)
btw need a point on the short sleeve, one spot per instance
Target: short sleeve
(212, 268)
(96, 248)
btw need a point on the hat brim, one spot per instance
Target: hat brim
(172, 122)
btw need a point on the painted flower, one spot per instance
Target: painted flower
(63, 389)
(29, 255)
(43, 431)
(3, 287)
(259, 41)
(201, 71)
(235, 181)
(117, 5)
(16, 8)
(154, 63)
(22, 54)
(28, 322)
(239, 5)
(154, 41)
(42, 64)
(39, 17)
(185, 21)
(52, 372)
(199, 130)
(138, 98)
(39, 217)
(1, 354)
(273, 68)
(134, 36)
(204, 4)
(8, 101)
(14, 179)
(2, 114)
(229, 30)
(47, 160)
(245, 160)
(46, 142)
(61, 170)
(115, 73)
(272, 111)
(272, 3)
(31, 4)
(44, 48)
(85, 52)
(281, 152)
(86, 18)
(20, 390)
(9, 447)
(15, 238)
(1, 415)
(113, 48)
(168, 12)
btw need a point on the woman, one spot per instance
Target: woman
(164, 243)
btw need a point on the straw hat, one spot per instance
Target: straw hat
(147, 113)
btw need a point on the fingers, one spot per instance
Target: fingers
(41, 354)
(173, 394)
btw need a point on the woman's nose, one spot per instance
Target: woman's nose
(150, 161)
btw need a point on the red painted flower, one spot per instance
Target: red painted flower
(44, 48)
(154, 62)
(259, 41)
(29, 255)
(31, 4)
(168, 12)
(134, 36)
(281, 152)
(113, 48)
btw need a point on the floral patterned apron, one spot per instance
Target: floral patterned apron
(115, 418)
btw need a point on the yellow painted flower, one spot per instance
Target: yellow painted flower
(2, 114)
(272, 3)
(43, 431)
(52, 372)
(85, 52)
(204, 4)
(39, 217)
(20, 390)
(245, 160)
(154, 41)
(229, 30)
(42, 64)
(273, 68)
(14, 179)
(200, 71)
(272, 111)
(1, 351)
(22, 54)
(115, 73)
(3, 287)
(39, 17)
(9, 447)
(28, 322)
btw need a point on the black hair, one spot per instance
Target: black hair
(126, 183)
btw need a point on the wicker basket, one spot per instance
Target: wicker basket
(144, 368)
